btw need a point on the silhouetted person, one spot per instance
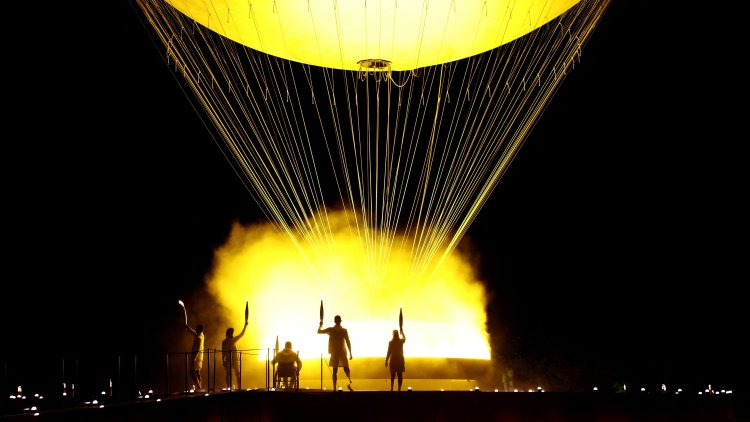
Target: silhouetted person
(230, 357)
(396, 356)
(338, 342)
(196, 353)
(289, 364)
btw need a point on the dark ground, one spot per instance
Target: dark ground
(414, 406)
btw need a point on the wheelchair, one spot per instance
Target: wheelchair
(285, 370)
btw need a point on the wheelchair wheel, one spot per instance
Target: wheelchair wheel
(278, 382)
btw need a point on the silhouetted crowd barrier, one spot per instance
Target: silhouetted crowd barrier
(34, 384)
(157, 387)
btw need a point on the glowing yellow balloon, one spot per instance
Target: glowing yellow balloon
(351, 34)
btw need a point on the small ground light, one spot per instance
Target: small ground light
(643, 388)
(596, 388)
(408, 388)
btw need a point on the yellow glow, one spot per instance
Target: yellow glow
(444, 315)
(338, 34)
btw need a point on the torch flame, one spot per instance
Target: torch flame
(183, 309)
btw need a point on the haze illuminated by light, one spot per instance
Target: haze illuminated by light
(444, 314)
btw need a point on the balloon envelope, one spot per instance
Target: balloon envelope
(409, 34)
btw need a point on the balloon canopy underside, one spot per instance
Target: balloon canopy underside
(409, 34)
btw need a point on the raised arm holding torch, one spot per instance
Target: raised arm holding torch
(394, 359)
(196, 351)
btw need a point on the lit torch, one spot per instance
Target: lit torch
(401, 318)
(183, 309)
(321, 309)
(246, 309)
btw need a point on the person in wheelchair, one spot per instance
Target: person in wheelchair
(287, 374)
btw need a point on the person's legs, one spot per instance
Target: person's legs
(400, 380)
(348, 375)
(237, 377)
(286, 373)
(196, 375)
(393, 375)
(334, 376)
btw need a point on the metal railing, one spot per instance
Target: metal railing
(32, 384)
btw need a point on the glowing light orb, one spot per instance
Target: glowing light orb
(409, 34)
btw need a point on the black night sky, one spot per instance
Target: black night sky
(625, 256)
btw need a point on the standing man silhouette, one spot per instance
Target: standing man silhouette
(196, 353)
(396, 356)
(230, 357)
(338, 343)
